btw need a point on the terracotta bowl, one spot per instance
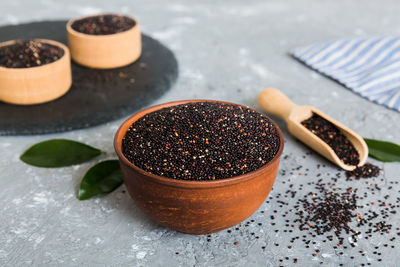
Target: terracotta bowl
(105, 51)
(35, 85)
(195, 207)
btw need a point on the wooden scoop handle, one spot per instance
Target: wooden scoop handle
(273, 101)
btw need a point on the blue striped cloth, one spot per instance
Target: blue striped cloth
(368, 66)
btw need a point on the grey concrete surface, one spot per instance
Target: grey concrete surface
(227, 50)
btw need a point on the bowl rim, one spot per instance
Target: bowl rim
(39, 68)
(202, 184)
(70, 30)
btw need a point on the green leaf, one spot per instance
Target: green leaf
(103, 177)
(59, 153)
(383, 151)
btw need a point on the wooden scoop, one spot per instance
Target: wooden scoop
(273, 101)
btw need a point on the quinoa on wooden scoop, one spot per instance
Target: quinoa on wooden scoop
(201, 141)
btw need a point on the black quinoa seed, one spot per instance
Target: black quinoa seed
(331, 135)
(339, 216)
(201, 141)
(29, 53)
(103, 24)
(368, 170)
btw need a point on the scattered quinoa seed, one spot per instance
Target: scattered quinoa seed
(368, 170)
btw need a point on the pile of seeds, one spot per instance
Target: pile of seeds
(331, 135)
(28, 53)
(368, 170)
(331, 212)
(325, 211)
(201, 141)
(324, 218)
(103, 25)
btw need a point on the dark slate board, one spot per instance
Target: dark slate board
(96, 96)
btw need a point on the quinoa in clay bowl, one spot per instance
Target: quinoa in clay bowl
(199, 166)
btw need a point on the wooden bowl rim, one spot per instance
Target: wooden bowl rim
(42, 67)
(71, 31)
(185, 183)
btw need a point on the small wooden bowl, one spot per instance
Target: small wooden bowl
(35, 85)
(195, 207)
(105, 51)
